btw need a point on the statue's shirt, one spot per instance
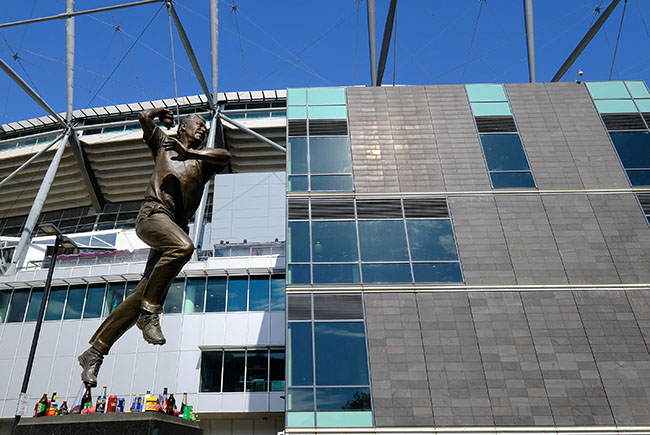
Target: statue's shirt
(176, 185)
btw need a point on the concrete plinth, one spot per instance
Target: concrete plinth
(141, 423)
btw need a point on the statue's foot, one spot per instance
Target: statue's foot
(149, 324)
(90, 361)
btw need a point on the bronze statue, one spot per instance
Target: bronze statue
(181, 168)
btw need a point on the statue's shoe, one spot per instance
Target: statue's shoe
(90, 361)
(149, 324)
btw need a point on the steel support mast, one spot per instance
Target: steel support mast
(530, 38)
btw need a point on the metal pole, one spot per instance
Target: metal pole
(32, 93)
(388, 31)
(37, 329)
(34, 213)
(31, 159)
(585, 41)
(372, 39)
(214, 45)
(253, 133)
(69, 58)
(190, 54)
(530, 38)
(74, 14)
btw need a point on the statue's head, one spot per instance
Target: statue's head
(192, 130)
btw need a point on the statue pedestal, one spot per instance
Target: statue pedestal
(141, 423)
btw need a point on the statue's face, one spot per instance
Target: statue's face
(196, 129)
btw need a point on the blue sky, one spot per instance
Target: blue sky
(294, 43)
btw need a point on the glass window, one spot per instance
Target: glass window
(174, 300)
(639, 178)
(437, 272)
(298, 274)
(298, 242)
(297, 96)
(233, 371)
(333, 399)
(114, 297)
(334, 367)
(300, 399)
(18, 305)
(297, 155)
(258, 299)
(277, 293)
(504, 152)
(336, 274)
(299, 353)
(633, 148)
(607, 90)
(276, 374)
(298, 183)
(194, 295)
(4, 304)
(211, 371)
(327, 112)
(334, 241)
(297, 112)
(382, 241)
(34, 305)
(55, 303)
(325, 96)
(431, 240)
(504, 180)
(74, 307)
(637, 89)
(331, 182)
(216, 299)
(130, 287)
(237, 289)
(643, 105)
(481, 92)
(256, 371)
(94, 301)
(329, 155)
(615, 106)
(491, 109)
(386, 273)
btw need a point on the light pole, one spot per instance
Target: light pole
(61, 241)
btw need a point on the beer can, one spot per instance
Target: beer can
(136, 406)
(120, 405)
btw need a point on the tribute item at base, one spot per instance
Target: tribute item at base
(181, 169)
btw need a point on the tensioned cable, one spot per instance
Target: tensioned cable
(471, 42)
(126, 54)
(645, 26)
(241, 45)
(118, 30)
(618, 39)
(171, 43)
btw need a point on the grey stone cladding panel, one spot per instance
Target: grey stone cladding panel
(514, 378)
(456, 378)
(570, 375)
(640, 303)
(620, 353)
(481, 244)
(581, 244)
(593, 153)
(400, 387)
(543, 139)
(626, 232)
(533, 250)
(459, 148)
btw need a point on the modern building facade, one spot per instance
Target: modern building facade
(426, 259)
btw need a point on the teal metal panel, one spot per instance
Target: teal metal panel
(638, 89)
(344, 419)
(491, 109)
(615, 106)
(607, 90)
(297, 112)
(328, 112)
(297, 97)
(486, 93)
(325, 96)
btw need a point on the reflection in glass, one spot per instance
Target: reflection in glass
(437, 272)
(639, 178)
(431, 240)
(386, 273)
(256, 371)
(55, 304)
(34, 305)
(334, 241)
(237, 289)
(211, 372)
(297, 156)
(298, 274)
(18, 305)
(504, 152)
(277, 293)
(382, 241)
(506, 180)
(333, 399)
(174, 300)
(216, 299)
(633, 148)
(75, 302)
(258, 293)
(329, 155)
(331, 182)
(300, 399)
(4, 304)
(114, 297)
(298, 242)
(194, 295)
(334, 367)
(94, 301)
(336, 274)
(233, 371)
(276, 375)
(299, 354)
(298, 183)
